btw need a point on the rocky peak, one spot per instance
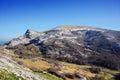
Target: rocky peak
(24, 39)
(31, 34)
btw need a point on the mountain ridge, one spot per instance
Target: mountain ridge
(76, 44)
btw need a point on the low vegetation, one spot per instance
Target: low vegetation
(56, 70)
(26, 50)
(66, 70)
(105, 60)
(4, 75)
(34, 64)
(47, 76)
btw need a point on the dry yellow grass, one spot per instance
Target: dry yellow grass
(5, 51)
(68, 68)
(108, 74)
(65, 67)
(41, 33)
(73, 68)
(82, 70)
(70, 27)
(38, 64)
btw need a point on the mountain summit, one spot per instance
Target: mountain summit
(76, 44)
(31, 34)
(24, 39)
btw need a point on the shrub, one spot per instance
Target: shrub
(77, 75)
(27, 50)
(54, 72)
(36, 70)
(117, 76)
(20, 62)
(71, 76)
(95, 70)
(105, 60)
(97, 78)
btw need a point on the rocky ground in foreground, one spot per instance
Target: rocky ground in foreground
(10, 66)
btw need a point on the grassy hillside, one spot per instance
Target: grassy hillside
(63, 68)
(57, 70)
(4, 75)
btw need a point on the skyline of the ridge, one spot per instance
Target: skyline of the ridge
(16, 16)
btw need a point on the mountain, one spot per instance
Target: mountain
(1, 42)
(76, 44)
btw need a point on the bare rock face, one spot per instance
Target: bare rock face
(76, 44)
(29, 35)
(80, 41)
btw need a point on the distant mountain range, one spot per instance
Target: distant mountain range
(75, 44)
(2, 42)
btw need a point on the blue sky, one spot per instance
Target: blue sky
(16, 16)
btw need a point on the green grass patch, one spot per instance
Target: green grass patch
(47, 76)
(4, 75)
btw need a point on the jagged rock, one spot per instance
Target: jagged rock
(29, 35)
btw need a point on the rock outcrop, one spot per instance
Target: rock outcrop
(9, 65)
(29, 35)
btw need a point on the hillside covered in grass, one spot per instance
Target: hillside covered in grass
(50, 69)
